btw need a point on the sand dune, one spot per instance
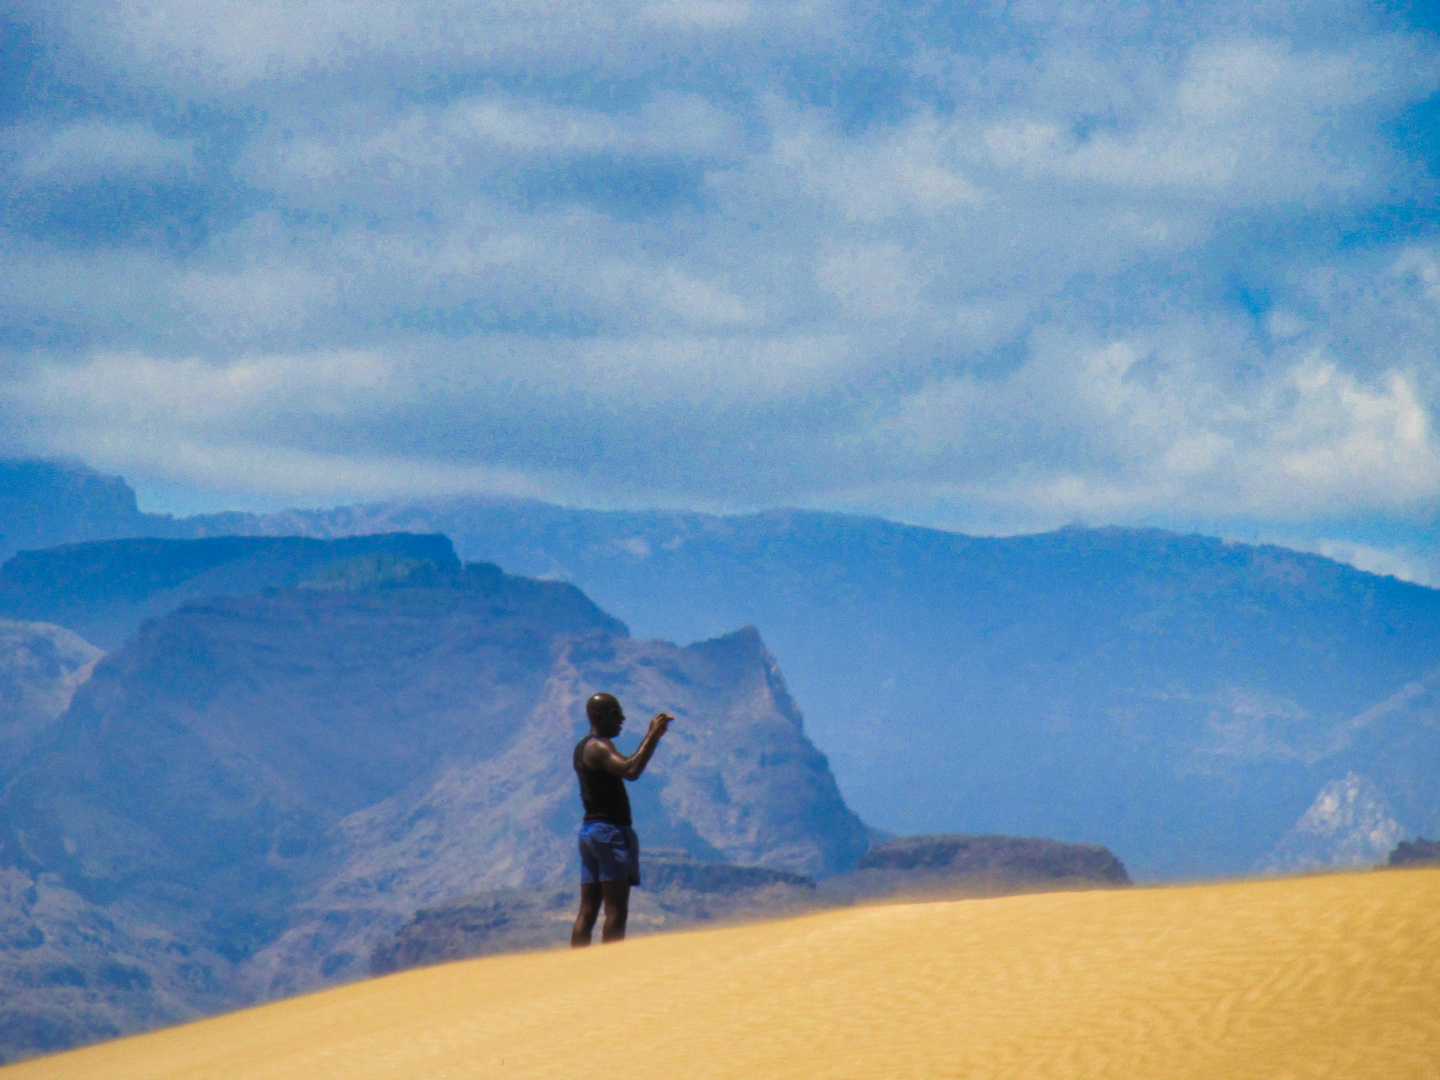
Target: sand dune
(1331, 976)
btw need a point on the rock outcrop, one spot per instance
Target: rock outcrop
(1019, 856)
(1417, 852)
(976, 865)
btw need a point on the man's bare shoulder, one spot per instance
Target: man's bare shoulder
(598, 749)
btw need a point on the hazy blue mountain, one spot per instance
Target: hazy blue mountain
(104, 589)
(44, 503)
(253, 791)
(1179, 699)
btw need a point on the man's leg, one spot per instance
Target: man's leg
(589, 911)
(617, 909)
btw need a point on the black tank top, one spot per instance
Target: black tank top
(602, 792)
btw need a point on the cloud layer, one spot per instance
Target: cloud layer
(995, 265)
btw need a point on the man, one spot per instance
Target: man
(609, 849)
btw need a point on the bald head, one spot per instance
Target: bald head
(602, 706)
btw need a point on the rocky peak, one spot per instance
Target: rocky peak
(1350, 823)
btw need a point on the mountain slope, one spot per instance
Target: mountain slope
(40, 668)
(1179, 699)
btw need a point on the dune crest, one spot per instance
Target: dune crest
(1304, 977)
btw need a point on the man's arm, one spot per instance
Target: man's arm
(601, 753)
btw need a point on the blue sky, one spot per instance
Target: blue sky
(996, 266)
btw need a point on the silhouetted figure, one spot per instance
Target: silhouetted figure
(609, 848)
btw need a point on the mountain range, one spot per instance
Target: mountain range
(1182, 700)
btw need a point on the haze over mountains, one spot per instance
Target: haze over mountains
(104, 590)
(44, 503)
(1179, 699)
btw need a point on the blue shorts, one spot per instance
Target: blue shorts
(609, 853)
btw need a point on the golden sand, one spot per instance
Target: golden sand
(1331, 976)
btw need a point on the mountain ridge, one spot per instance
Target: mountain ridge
(943, 673)
(1180, 699)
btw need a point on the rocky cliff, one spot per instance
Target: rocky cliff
(44, 503)
(737, 780)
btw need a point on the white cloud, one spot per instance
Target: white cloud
(1423, 568)
(913, 168)
(709, 371)
(426, 146)
(1350, 444)
(875, 282)
(116, 391)
(1251, 120)
(707, 14)
(1104, 438)
(229, 46)
(92, 150)
(989, 261)
(243, 469)
(273, 294)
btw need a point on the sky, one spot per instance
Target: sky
(995, 267)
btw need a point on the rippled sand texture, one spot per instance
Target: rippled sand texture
(1335, 976)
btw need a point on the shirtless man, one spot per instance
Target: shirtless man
(609, 848)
